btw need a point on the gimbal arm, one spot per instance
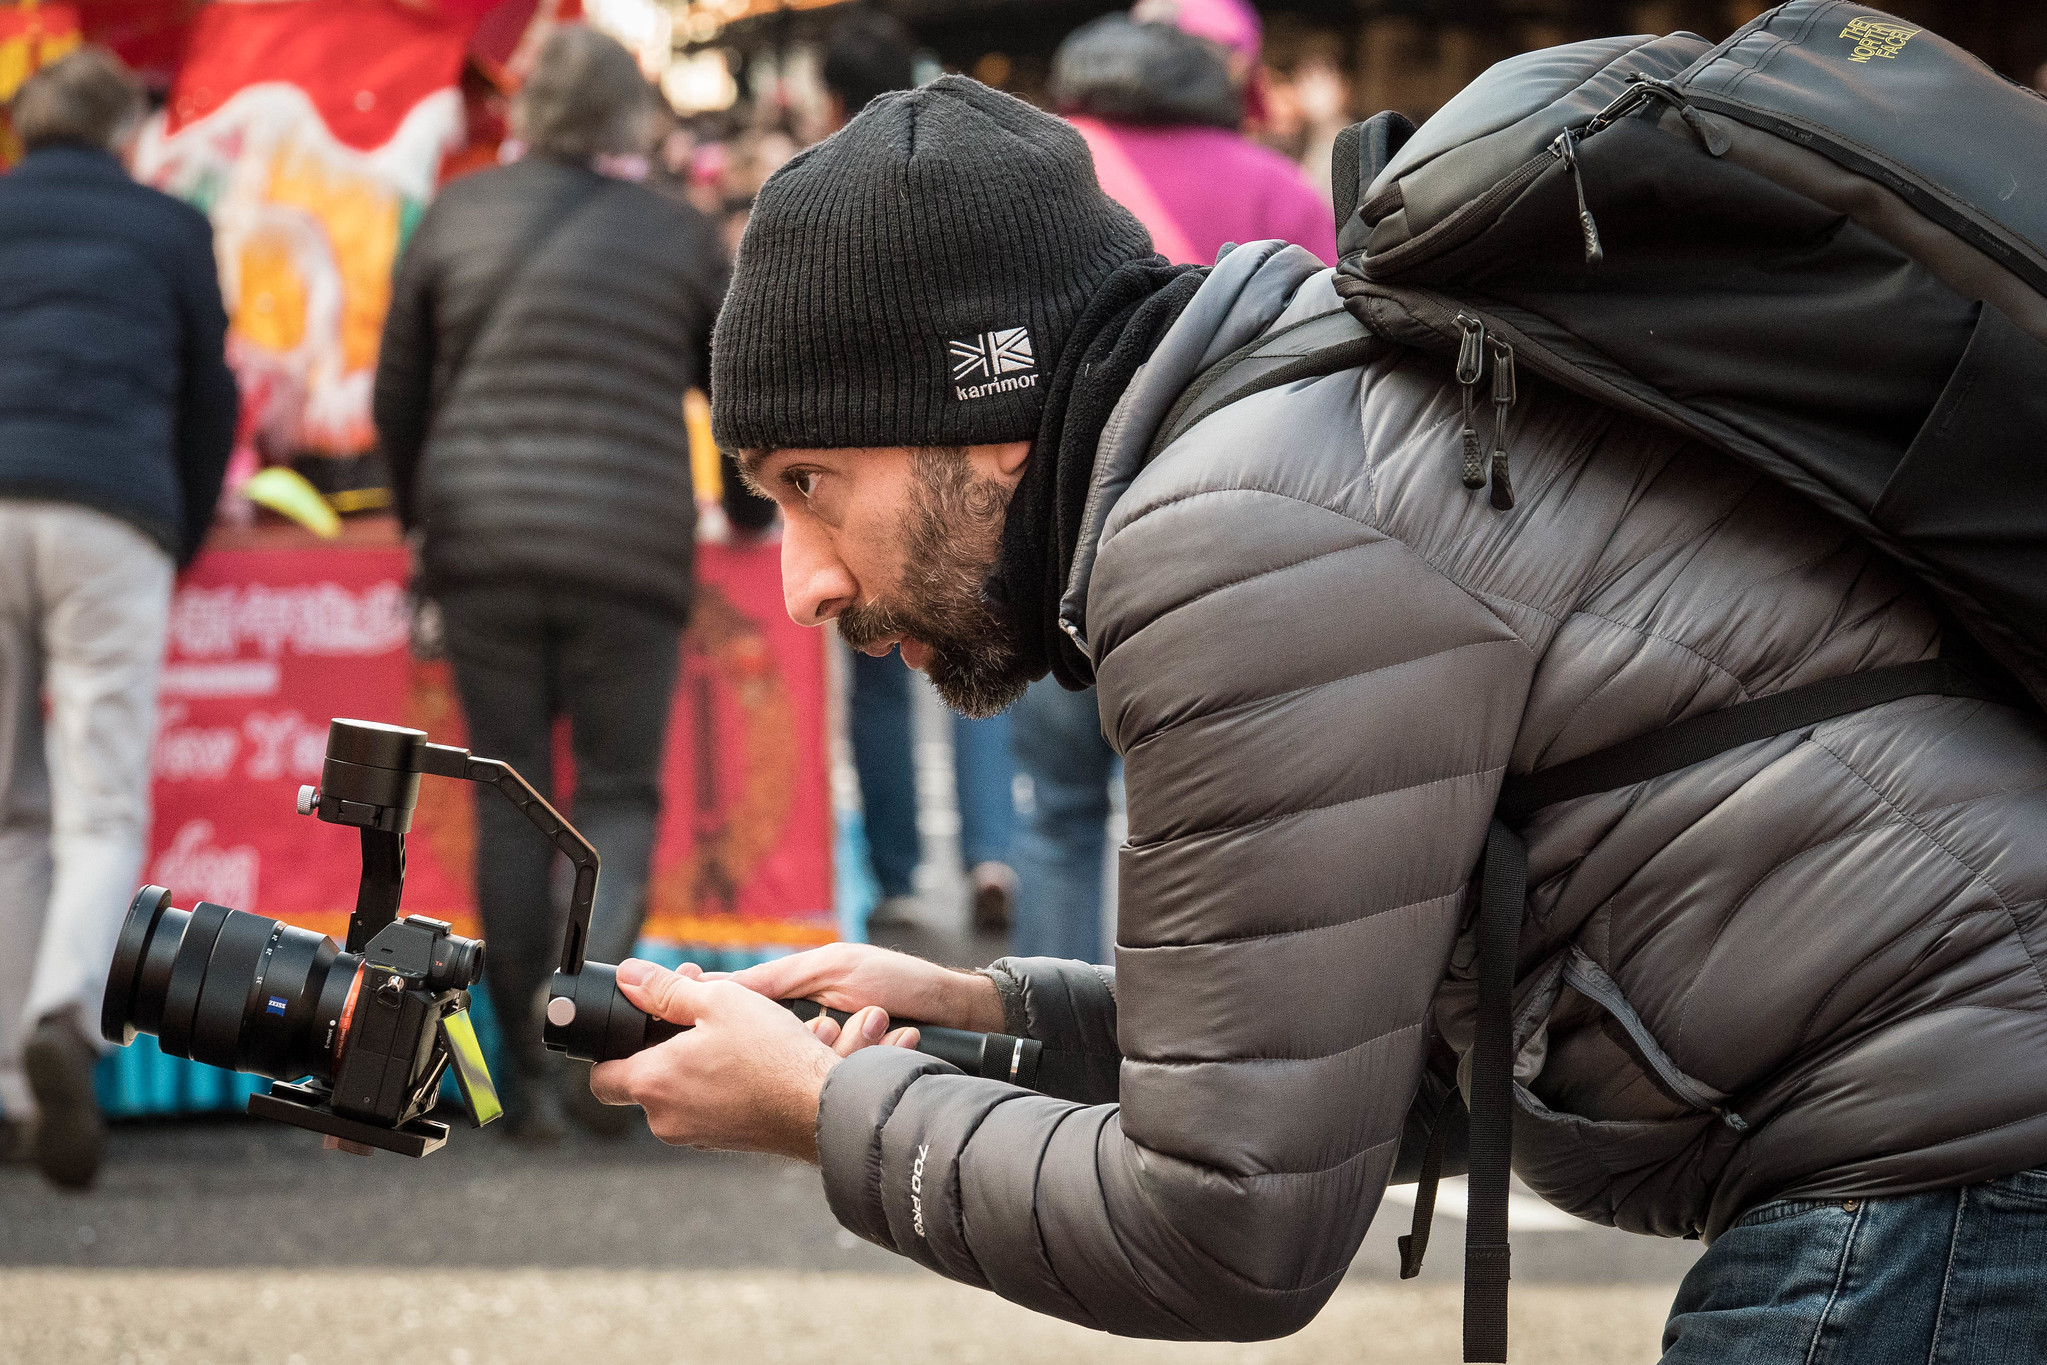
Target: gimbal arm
(370, 779)
(444, 760)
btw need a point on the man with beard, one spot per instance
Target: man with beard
(1788, 999)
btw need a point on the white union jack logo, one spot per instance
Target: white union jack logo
(991, 354)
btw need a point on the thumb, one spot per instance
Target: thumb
(657, 991)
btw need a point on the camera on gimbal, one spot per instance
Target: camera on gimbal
(358, 1037)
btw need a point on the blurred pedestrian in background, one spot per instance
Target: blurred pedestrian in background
(870, 54)
(117, 412)
(1307, 103)
(545, 322)
(1158, 94)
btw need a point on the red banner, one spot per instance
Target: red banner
(267, 645)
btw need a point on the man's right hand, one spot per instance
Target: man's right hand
(849, 976)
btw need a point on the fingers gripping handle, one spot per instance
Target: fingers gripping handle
(991, 1056)
(589, 1018)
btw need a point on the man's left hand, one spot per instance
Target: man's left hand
(747, 1074)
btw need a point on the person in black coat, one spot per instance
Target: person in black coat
(545, 322)
(117, 412)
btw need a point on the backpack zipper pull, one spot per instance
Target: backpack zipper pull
(1565, 149)
(1471, 369)
(1503, 404)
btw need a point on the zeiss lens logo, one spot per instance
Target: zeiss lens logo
(1003, 360)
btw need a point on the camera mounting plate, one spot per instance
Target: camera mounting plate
(305, 1106)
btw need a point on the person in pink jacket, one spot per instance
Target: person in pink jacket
(1159, 94)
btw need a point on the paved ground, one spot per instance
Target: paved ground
(535, 1317)
(225, 1241)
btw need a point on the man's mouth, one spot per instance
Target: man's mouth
(878, 649)
(915, 652)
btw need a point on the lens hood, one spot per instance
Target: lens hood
(131, 950)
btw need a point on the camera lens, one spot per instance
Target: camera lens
(229, 989)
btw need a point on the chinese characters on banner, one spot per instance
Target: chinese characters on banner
(267, 645)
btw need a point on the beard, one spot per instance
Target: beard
(951, 533)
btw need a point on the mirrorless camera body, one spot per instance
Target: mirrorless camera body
(358, 1037)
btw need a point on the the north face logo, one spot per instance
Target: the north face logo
(1003, 360)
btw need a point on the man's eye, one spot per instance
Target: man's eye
(804, 481)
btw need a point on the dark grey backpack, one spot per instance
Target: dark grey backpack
(1821, 247)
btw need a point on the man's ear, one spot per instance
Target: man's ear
(1005, 461)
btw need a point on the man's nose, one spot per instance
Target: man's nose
(816, 585)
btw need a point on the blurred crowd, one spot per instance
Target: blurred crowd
(547, 316)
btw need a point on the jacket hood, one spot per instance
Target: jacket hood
(1144, 73)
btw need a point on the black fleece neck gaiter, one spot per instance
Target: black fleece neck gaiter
(1121, 326)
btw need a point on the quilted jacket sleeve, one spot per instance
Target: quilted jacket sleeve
(1315, 722)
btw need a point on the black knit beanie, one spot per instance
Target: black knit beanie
(910, 280)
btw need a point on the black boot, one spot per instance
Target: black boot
(70, 1135)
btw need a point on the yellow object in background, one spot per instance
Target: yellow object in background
(286, 492)
(704, 469)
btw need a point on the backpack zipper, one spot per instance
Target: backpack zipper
(1565, 149)
(1641, 89)
(1472, 350)
(1471, 369)
(1503, 403)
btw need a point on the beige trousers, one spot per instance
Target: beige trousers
(84, 605)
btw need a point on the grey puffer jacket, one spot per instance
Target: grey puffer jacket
(1319, 654)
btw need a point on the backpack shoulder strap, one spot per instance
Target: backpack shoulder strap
(1307, 349)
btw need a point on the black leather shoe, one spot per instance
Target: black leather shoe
(70, 1134)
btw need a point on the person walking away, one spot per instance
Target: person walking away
(870, 54)
(1159, 94)
(545, 322)
(117, 411)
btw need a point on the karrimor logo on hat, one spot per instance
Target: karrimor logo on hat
(1003, 360)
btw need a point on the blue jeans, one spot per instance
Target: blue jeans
(1954, 1277)
(879, 728)
(1059, 746)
